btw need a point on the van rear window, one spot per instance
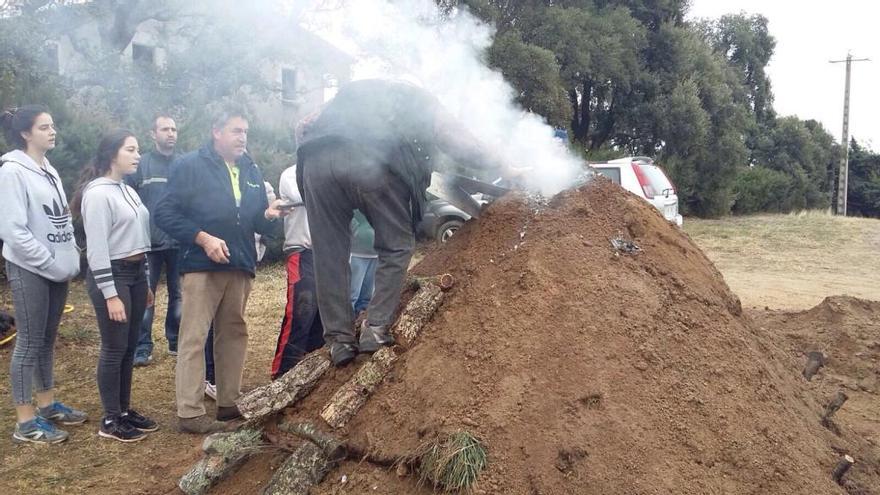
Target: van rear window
(658, 182)
(611, 173)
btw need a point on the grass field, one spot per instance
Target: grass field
(793, 261)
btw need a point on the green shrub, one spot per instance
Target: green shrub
(759, 189)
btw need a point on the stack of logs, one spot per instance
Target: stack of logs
(319, 452)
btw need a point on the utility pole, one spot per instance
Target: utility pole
(843, 176)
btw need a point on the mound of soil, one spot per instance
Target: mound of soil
(587, 369)
(847, 331)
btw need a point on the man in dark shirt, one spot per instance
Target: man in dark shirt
(373, 148)
(150, 181)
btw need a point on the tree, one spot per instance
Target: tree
(864, 181)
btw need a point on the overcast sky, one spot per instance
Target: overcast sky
(808, 34)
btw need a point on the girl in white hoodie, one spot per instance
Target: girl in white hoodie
(41, 257)
(117, 227)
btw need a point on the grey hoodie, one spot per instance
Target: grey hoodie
(117, 226)
(35, 223)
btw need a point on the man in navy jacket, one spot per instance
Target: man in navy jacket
(214, 204)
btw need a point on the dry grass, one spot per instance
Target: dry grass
(89, 464)
(792, 261)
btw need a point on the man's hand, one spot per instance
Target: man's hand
(214, 247)
(151, 299)
(273, 211)
(116, 309)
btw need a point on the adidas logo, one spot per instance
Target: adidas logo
(58, 216)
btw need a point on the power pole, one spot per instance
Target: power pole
(843, 176)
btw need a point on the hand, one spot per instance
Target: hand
(151, 298)
(214, 247)
(116, 310)
(273, 211)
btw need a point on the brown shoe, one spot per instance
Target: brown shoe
(227, 413)
(201, 425)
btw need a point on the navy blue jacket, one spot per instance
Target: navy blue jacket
(150, 182)
(199, 198)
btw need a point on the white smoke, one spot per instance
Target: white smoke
(410, 39)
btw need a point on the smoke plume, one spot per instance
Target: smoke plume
(445, 53)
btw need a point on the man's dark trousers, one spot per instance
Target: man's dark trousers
(338, 179)
(166, 258)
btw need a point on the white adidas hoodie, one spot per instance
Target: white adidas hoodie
(35, 222)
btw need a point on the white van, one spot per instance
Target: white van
(640, 176)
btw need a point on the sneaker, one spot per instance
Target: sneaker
(172, 352)
(342, 354)
(373, 337)
(203, 424)
(139, 421)
(227, 413)
(38, 430)
(211, 390)
(118, 429)
(60, 413)
(142, 359)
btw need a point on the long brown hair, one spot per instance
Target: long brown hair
(108, 148)
(17, 120)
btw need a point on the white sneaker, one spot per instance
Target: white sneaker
(211, 390)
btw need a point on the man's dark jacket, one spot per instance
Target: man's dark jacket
(150, 182)
(199, 198)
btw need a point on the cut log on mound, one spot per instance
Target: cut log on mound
(226, 452)
(352, 395)
(289, 388)
(305, 468)
(418, 312)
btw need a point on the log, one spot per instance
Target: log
(445, 281)
(815, 360)
(304, 469)
(418, 312)
(353, 394)
(287, 389)
(226, 452)
(841, 469)
(832, 407)
(334, 449)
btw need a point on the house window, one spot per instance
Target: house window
(143, 54)
(288, 84)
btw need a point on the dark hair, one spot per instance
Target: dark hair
(161, 115)
(17, 120)
(108, 148)
(226, 112)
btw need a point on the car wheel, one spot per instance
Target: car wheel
(447, 229)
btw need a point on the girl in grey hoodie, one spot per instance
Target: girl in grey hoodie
(41, 257)
(117, 227)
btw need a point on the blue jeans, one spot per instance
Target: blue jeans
(158, 259)
(363, 273)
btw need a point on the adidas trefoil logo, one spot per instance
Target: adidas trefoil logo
(57, 215)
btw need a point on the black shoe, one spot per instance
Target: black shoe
(227, 413)
(374, 337)
(138, 421)
(117, 429)
(342, 354)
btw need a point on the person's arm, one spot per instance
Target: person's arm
(457, 142)
(97, 223)
(13, 222)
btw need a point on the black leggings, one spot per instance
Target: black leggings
(119, 339)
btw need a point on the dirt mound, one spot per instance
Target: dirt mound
(589, 370)
(847, 331)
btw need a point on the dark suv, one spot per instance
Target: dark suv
(441, 220)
